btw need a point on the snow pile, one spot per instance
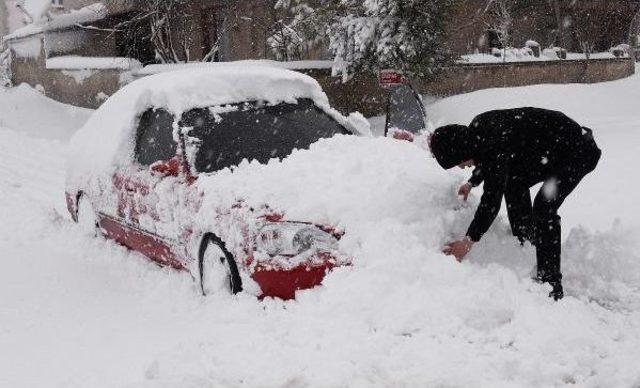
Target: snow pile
(403, 310)
(107, 138)
(28, 111)
(333, 183)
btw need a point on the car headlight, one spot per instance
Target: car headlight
(290, 239)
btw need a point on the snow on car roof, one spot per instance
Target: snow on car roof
(107, 138)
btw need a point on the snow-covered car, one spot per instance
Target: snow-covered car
(137, 174)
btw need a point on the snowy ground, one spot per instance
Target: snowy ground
(83, 312)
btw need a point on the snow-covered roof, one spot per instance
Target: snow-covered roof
(88, 14)
(108, 136)
(74, 62)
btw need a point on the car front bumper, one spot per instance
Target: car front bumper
(283, 282)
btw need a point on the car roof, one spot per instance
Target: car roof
(107, 139)
(220, 84)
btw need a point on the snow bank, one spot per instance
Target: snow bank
(107, 138)
(348, 179)
(402, 315)
(25, 110)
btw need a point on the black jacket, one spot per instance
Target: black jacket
(519, 146)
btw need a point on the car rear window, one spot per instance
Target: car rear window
(222, 137)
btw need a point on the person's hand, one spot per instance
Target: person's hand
(465, 190)
(458, 249)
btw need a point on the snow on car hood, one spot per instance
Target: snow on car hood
(107, 139)
(353, 183)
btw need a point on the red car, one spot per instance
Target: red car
(135, 168)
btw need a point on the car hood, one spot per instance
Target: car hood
(344, 181)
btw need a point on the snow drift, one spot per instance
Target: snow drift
(78, 311)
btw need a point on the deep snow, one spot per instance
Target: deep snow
(78, 311)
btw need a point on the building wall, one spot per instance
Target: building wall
(76, 41)
(85, 88)
(247, 27)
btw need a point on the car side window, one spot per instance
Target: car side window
(154, 138)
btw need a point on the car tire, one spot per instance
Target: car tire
(217, 267)
(86, 217)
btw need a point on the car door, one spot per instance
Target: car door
(146, 198)
(405, 111)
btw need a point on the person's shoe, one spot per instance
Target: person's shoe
(557, 292)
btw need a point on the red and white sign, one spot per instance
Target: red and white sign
(390, 78)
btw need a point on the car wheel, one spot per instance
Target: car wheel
(87, 217)
(218, 269)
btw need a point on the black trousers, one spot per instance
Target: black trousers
(539, 222)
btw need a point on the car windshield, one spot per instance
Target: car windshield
(223, 136)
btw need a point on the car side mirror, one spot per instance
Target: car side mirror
(166, 168)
